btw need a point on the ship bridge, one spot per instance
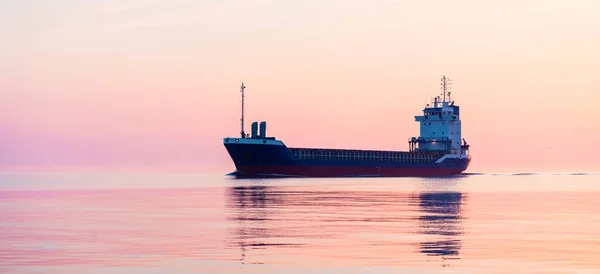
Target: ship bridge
(440, 125)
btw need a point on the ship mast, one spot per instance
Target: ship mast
(446, 83)
(242, 131)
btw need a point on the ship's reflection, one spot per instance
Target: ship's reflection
(441, 217)
(250, 202)
(271, 220)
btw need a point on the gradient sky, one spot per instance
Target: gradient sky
(155, 84)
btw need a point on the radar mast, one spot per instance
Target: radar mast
(446, 87)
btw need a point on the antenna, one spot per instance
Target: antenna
(446, 87)
(242, 90)
(449, 88)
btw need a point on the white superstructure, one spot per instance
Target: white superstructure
(440, 125)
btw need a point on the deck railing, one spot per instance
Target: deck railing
(364, 155)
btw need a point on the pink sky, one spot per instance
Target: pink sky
(156, 83)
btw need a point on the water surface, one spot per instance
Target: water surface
(207, 223)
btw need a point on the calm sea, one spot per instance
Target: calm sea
(211, 223)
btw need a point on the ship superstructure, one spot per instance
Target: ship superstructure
(440, 126)
(438, 150)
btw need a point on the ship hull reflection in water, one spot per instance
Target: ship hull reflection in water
(442, 219)
(279, 224)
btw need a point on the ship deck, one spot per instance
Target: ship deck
(366, 155)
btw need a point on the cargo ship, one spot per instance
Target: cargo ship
(439, 150)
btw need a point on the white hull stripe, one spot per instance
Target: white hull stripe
(251, 141)
(451, 156)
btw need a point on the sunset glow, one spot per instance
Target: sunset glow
(155, 84)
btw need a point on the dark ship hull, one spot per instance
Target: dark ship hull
(254, 158)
